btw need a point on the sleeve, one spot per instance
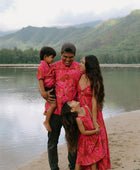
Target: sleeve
(40, 73)
(79, 71)
(53, 69)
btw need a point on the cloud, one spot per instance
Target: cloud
(68, 18)
(5, 4)
(15, 14)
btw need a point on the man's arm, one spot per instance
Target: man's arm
(46, 94)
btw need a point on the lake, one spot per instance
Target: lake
(22, 134)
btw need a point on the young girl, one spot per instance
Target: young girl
(46, 77)
(91, 93)
(87, 142)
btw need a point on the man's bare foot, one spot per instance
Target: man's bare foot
(47, 126)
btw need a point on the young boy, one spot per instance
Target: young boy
(46, 77)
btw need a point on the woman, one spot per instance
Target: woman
(91, 93)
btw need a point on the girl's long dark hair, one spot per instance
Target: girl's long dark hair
(93, 72)
(70, 126)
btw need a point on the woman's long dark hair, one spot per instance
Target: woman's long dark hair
(93, 72)
(70, 126)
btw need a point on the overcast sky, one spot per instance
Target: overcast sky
(15, 14)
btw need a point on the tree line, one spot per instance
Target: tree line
(31, 56)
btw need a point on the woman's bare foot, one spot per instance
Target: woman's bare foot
(47, 126)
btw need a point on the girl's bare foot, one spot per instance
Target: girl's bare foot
(47, 126)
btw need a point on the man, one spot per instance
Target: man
(67, 73)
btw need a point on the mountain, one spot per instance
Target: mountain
(2, 33)
(114, 37)
(37, 37)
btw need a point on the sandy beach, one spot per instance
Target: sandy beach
(124, 142)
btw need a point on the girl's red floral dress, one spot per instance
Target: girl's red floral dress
(89, 149)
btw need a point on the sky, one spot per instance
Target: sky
(16, 14)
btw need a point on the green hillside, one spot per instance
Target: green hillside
(114, 38)
(35, 37)
(116, 35)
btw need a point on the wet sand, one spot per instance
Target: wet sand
(124, 142)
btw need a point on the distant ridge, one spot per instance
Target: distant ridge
(88, 24)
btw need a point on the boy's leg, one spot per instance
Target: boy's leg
(77, 167)
(53, 136)
(47, 125)
(48, 116)
(93, 166)
(72, 160)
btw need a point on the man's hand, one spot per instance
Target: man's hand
(43, 93)
(50, 98)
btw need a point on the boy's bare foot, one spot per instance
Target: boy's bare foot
(47, 126)
(45, 113)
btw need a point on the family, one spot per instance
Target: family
(74, 95)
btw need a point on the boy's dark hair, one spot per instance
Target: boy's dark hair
(46, 51)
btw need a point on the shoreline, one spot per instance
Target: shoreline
(102, 65)
(123, 134)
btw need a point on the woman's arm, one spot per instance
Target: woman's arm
(94, 108)
(82, 128)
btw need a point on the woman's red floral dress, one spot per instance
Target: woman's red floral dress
(85, 98)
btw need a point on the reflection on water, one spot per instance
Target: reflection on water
(121, 90)
(22, 135)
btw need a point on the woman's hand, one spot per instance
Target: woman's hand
(95, 124)
(97, 130)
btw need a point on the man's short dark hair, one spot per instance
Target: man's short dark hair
(68, 48)
(47, 51)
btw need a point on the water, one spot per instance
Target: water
(22, 135)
